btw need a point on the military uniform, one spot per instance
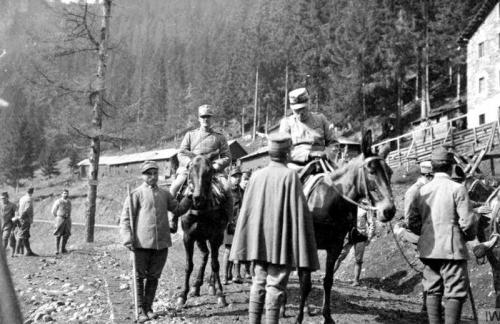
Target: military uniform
(312, 134)
(8, 212)
(276, 234)
(441, 214)
(26, 215)
(148, 206)
(61, 210)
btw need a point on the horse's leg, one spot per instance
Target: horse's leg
(214, 249)
(188, 247)
(331, 257)
(305, 289)
(195, 289)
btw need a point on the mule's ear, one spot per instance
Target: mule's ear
(366, 143)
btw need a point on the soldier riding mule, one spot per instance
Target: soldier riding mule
(332, 199)
(205, 222)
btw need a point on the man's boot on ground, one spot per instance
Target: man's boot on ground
(452, 311)
(255, 312)
(141, 312)
(64, 242)
(238, 279)
(434, 312)
(58, 242)
(28, 252)
(149, 296)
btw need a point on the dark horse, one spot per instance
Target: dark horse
(332, 204)
(205, 222)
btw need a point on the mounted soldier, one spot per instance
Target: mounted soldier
(207, 142)
(310, 132)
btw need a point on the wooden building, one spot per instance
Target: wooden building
(482, 40)
(131, 163)
(237, 151)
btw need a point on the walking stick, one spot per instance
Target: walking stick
(134, 270)
(472, 303)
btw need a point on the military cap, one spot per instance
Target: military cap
(298, 98)
(425, 167)
(279, 143)
(442, 154)
(205, 110)
(5, 194)
(146, 165)
(236, 170)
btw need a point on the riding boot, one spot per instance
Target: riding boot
(142, 314)
(272, 315)
(149, 296)
(28, 252)
(255, 312)
(64, 242)
(58, 242)
(434, 311)
(452, 311)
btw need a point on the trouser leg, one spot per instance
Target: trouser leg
(64, 242)
(58, 243)
(434, 310)
(257, 293)
(277, 279)
(452, 310)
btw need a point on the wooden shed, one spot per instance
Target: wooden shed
(130, 163)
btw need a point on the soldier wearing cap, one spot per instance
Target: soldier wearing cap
(61, 210)
(148, 205)
(8, 212)
(277, 235)
(237, 192)
(441, 214)
(310, 132)
(202, 141)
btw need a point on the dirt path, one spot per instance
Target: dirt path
(92, 285)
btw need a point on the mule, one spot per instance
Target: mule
(332, 201)
(204, 223)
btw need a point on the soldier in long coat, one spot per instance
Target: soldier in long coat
(61, 210)
(209, 143)
(8, 213)
(441, 214)
(274, 231)
(310, 132)
(148, 206)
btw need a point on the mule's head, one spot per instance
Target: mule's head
(376, 180)
(200, 179)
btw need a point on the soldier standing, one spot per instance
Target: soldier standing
(209, 143)
(441, 214)
(277, 235)
(26, 215)
(61, 210)
(8, 211)
(310, 132)
(148, 206)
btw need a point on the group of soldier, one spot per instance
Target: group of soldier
(274, 228)
(16, 229)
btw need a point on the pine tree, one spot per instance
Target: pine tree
(48, 162)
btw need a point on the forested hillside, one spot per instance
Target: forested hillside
(167, 57)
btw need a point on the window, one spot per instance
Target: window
(481, 119)
(481, 49)
(481, 85)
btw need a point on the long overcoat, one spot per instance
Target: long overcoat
(275, 224)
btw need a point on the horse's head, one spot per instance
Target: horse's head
(200, 179)
(375, 180)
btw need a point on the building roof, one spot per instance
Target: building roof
(134, 157)
(254, 154)
(236, 149)
(477, 20)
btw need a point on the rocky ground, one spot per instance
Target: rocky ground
(92, 284)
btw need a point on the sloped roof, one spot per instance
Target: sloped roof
(134, 157)
(477, 20)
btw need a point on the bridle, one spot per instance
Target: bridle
(364, 182)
